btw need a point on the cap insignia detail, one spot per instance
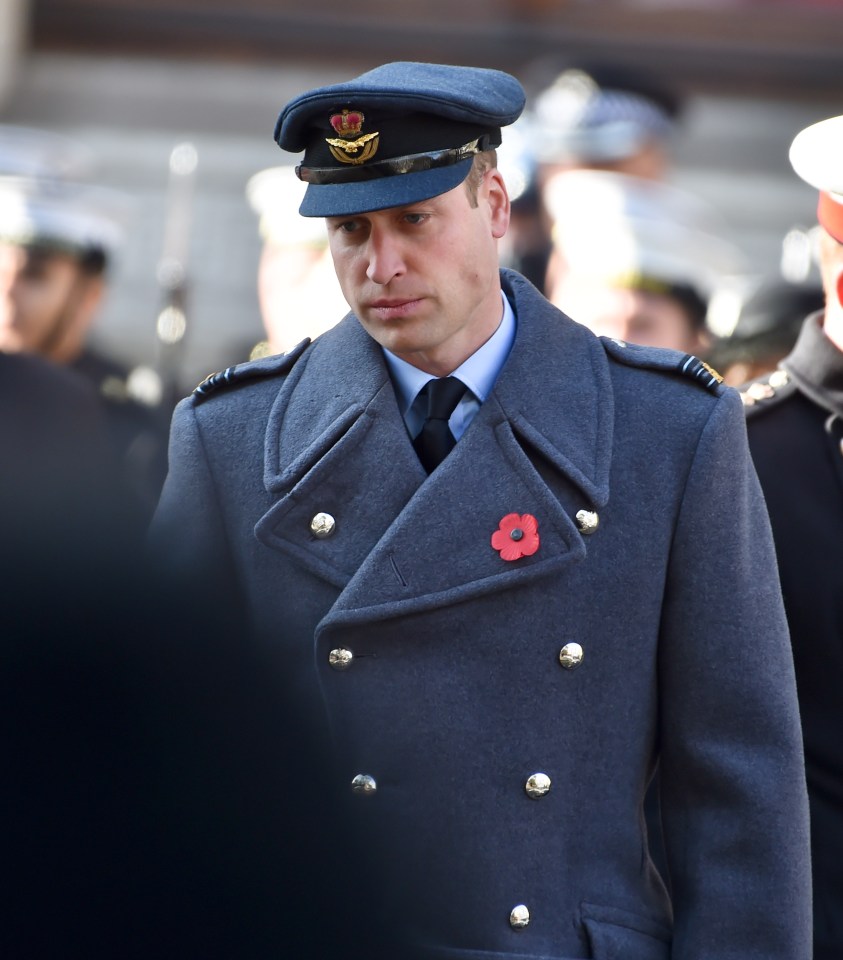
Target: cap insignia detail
(358, 150)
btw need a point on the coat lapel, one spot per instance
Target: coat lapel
(540, 445)
(336, 444)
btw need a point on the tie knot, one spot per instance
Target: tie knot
(443, 395)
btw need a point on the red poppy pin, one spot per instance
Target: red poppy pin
(517, 536)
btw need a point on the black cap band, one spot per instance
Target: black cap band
(392, 166)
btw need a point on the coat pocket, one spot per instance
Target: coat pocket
(615, 934)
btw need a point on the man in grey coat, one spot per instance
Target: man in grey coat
(510, 599)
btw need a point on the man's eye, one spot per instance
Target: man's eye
(342, 226)
(414, 217)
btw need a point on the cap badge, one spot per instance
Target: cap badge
(349, 124)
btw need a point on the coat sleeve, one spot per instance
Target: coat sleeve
(187, 543)
(734, 803)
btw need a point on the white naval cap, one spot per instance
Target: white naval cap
(275, 195)
(47, 198)
(629, 231)
(600, 114)
(816, 155)
(77, 217)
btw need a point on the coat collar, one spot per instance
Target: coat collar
(816, 366)
(336, 442)
(556, 388)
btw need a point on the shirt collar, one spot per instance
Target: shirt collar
(478, 372)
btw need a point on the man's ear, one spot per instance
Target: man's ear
(498, 199)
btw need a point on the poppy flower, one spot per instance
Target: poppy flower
(517, 536)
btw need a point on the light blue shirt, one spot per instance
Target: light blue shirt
(478, 373)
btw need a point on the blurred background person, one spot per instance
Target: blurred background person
(795, 425)
(636, 259)
(58, 475)
(761, 324)
(766, 326)
(606, 116)
(58, 237)
(585, 116)
(298, 292)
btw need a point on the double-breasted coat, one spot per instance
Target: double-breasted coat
(497, 722)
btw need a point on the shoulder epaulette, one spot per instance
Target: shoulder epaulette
(659, 358)
(764, 392)
(250, 370)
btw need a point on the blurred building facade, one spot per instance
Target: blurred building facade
(133, 79)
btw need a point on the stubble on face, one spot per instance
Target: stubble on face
(423, 280)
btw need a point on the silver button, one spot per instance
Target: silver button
(364, 785)
(587, 521)
(322, 525)
(570, 656)
(519, 917)
(537, 786)
(340, 659)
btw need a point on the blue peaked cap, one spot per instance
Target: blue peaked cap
(396, 135)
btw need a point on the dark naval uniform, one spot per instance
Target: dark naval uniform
(497, 717)
(795, 426)
(58, 476)
(137, 432)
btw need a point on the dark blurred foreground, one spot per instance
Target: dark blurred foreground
(159, 798)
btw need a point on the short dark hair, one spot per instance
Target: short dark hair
(92, 260)
(486, 160)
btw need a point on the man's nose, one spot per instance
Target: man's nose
(385, 257)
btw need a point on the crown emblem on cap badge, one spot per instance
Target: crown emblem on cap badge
(349, 123)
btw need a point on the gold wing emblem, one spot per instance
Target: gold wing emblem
(351, 146)
(346, 150)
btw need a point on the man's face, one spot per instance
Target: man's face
(38, 292)
(423, 280)
(649, 319)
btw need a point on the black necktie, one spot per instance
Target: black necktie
(435, 441)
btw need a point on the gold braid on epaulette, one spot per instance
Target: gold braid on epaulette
(252, 370)
(692, 366)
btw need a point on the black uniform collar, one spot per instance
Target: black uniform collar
(816, 366)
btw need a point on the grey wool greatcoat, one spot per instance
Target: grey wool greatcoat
(501, 720)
